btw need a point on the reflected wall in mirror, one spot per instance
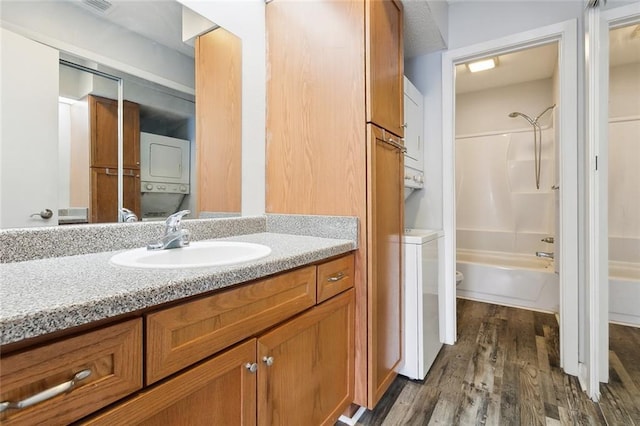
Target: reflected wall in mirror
(128, 42)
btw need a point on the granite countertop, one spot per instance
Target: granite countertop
(47, 295)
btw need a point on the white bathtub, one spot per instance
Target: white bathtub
(624, 292)
(508, 279)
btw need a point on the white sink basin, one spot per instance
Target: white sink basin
(198, 254)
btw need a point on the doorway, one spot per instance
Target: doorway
(506, 178)
(564, 34)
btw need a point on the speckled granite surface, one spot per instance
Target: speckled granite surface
(317, 226)
(18, 245)
(47, 295)
(59, 277)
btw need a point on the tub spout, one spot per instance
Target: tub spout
(545, 254)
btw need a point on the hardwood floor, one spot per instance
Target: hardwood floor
(504, 370)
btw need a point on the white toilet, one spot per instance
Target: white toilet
(459, 278)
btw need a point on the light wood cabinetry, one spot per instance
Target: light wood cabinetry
(104, 190)
(325, 84)
(177, 337)
(103, 119)
(95, 125)
(219, 121)
(263, 352)
(306, 371)
(113, 355)
(384, 245)
(385, 65)
(221, 391)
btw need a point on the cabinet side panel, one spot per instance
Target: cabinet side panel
(315, 107)
(316, 140)
(219, 121)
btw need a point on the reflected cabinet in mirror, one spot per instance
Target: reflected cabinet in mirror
(99, 115)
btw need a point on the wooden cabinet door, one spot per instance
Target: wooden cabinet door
(104, 194)
(306, 372)
(386, 216)
(104, 133)
(221, 391)
(385, 65)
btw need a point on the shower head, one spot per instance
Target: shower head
(526, 117)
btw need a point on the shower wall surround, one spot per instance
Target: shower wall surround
(497, 203)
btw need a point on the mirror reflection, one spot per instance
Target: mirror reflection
(160, 147)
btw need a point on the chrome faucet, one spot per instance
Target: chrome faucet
(174, 236)
(545, 254)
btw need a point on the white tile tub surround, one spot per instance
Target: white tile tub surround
(624, 219)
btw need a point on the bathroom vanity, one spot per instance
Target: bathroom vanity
(264, 342)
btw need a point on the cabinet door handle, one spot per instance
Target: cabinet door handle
(393, 143)
(336, 277)
(251, 367)
(268, 360)
(47, 394)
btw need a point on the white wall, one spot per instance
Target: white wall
(69, 28)
(472, 22)
(423, 208)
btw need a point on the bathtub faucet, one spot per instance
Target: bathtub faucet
(546, 254)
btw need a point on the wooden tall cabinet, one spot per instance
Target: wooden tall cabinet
(334, 101)
(103, 125)
(94, 146)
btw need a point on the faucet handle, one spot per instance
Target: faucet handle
(173, 221)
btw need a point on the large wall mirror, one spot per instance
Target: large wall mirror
(100, 119)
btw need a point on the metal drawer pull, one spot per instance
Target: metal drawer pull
(395, 144)
(47, 394)
(336, 277)
(268, 360)
(252, 367)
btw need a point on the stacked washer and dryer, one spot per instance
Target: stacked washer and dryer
(423, 260)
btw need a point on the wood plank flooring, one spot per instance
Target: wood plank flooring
(504, 370)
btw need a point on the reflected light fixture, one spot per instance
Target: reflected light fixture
(482, 65)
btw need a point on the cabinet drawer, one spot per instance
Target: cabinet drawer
(179, 336)
(220, 391)
(112, 354)
(334, 277)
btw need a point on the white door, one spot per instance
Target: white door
(29, 132)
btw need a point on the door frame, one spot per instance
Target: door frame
(565, 34)
(598, 25)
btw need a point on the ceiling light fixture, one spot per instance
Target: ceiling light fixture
(482, 65)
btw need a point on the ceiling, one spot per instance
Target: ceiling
(539, 63)
(162, 21)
